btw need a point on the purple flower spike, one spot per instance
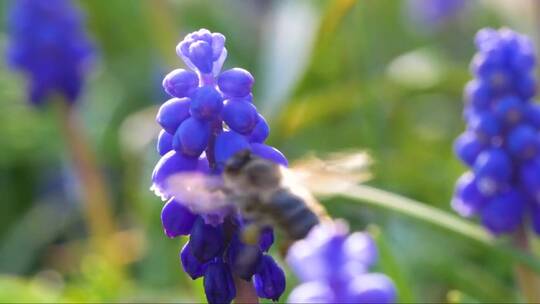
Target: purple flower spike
(176, 219)
(269, 281)
(218, 283)
(49, 44)
(503, 143)
(211, 117)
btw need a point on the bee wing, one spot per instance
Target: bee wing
(201, 193)
(332, 174)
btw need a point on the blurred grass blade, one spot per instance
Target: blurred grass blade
(423, 212)
(390, 266)
(288, 42)
(418, 210)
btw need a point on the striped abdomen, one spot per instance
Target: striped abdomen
(290, 213)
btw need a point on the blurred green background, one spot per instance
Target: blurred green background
(330, 75)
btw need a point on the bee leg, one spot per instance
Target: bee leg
(251, 234)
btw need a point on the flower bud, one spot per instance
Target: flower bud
(180, 83)
(235, 82)
(206, 103)
(176, 219)
(172, 113)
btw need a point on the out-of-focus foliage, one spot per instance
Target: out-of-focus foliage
(330, 75)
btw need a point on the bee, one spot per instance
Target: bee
(268, 194)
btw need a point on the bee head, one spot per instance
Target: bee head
(237, 162)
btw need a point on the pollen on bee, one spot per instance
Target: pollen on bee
(251, 234)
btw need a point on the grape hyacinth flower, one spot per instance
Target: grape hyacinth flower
(48, 43)
(334, 268)
(434, 12)
(501, 144)
(209, 118)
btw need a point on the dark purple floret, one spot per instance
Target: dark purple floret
(266, 239)
(218, 283)
(49, 44)
(207, 241)
(244, 259)
(270, 279)
(192, 266)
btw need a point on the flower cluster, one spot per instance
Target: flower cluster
(333, 267)
(48, 43)
(209, 118)
(501, 144)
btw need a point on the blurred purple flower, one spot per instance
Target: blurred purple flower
(333, 267)
(501, 145)
(434, 12)
(48, 43)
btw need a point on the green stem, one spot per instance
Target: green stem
(93, 189)
(424, 212)
(528, 281)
